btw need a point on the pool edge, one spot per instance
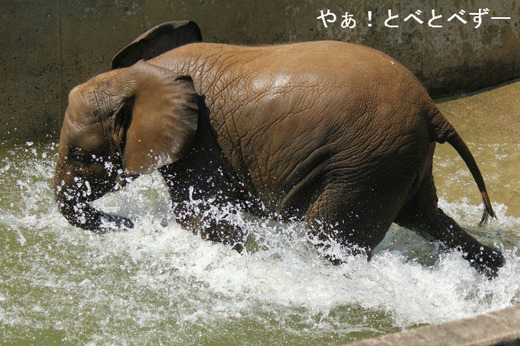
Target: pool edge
(501, 327)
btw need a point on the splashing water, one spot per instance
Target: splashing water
(158, 283)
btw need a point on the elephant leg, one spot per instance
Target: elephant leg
(212, 222)
(355, 221)
(422, 215)
(204, 210)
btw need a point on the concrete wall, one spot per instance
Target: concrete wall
(48, 46)
(495, 328)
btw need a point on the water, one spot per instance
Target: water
(160, 284)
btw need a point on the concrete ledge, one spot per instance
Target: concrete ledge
(495, 328)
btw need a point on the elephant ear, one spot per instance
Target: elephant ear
(154, 42)
(157, 119)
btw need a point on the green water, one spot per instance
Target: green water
(159, 284)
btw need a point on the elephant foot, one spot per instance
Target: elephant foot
(107, 223)
(115, 222)
(238, 247)
(487, 261)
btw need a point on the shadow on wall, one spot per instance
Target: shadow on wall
(49, 46)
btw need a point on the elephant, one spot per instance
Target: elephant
(338, 135)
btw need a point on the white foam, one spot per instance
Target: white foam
(160, 283)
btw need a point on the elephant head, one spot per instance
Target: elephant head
(120, 124)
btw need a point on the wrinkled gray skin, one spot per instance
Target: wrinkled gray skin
(337, 134)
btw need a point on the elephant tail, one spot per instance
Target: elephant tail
(445, 132)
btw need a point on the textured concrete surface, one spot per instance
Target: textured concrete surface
(30, 86)
(496, 328)
(49, 46)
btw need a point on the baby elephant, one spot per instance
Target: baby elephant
(339, 135)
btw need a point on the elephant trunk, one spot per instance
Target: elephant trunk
(73, 196)
(84, 216)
